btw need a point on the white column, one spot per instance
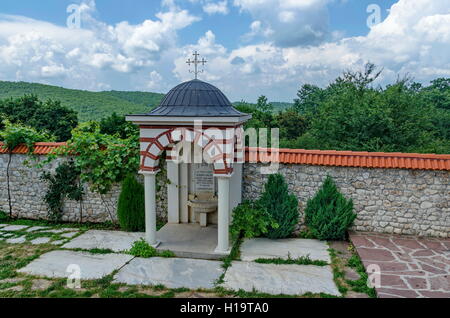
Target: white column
(173, 208)
(150, 207)
(184, 193)
(223, 244)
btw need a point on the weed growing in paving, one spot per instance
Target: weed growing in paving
(338, 272)
(234, 255)
(304, 260)
(255, 294)
(361, 284)
(344, 285)
(142, 249)
(80, 226)
(92, 251)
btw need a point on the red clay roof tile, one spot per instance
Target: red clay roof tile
(357, 159)
(40, 148)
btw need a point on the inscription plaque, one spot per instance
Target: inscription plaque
(203, 178)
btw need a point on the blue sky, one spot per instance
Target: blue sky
(254, 47)
(346, 16)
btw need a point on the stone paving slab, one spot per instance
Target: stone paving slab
(252, 249)
(189, 240)
(92, 266)
(58, 231)
(40, 240)
(171, 272)
(11, 228)
(113, 240)
(59, 242)
(36, 228)
(410, 267)
(16, 240)
(69, 235)
(280, 279)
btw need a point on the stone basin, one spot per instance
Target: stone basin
(203, 206)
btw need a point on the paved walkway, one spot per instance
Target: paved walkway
(194, 274)
(18, 234)
(410, 267)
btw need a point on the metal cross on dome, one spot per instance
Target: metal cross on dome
(196, 62)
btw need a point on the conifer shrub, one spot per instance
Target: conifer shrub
(131, 205)
(281, 205)
(3, 216)
(329, 214)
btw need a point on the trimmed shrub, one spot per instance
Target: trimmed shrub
(250, 220)
(131, 205)
(3, 216)
(282, 207)
(329, 214)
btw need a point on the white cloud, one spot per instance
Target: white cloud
(220, 7)
(155, 80)
(414, 39)
(291, 22)
(34, 50)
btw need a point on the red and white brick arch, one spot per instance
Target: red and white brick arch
(223, 146)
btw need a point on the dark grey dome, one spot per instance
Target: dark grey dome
(196, 99)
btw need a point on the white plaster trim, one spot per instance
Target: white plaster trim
(225, 176)
(158, 243)
(162, 120)
(227, 252)
(149, 173)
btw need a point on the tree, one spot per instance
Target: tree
(353, 115)
(292, 125)
(438, 93)
(117, 125)
(309, 99)
(260, 119)
(263, 105)
(361, 79)
(49, 116)
(56, 119)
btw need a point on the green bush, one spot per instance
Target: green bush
(131, 205)
(3, 216)
(282, 207)
(142, 249)
(64, 183)
(329, 214)
(251, 220)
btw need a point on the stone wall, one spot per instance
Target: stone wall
(386, 200)
(27, 191)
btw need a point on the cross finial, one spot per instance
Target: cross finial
(196, 62)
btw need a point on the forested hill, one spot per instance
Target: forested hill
(88, 105)
(94, 105)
